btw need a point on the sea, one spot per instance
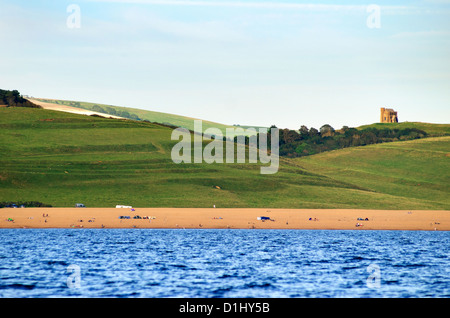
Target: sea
(223, 263)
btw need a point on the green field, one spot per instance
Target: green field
(61, 159)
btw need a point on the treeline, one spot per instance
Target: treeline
(308, 141)
(14, 99)
(114, 112)
(26, 204)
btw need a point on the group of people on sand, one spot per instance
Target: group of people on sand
(361, 219)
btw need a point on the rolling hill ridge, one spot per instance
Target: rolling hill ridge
(135, 114)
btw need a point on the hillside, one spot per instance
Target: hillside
(433, 130)
(61, 159)
(137, 114)
(71, 109)
(418, 170)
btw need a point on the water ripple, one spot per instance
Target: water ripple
(223, 263)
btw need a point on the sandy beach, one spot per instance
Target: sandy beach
(219, 218)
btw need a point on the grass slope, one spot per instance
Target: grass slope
(430, 129)
(62, 158)
(152, 116)
(418, 170)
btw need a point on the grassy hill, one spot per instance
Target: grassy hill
(418, 170)
(140, 114)
(62, 158)
(430, 129)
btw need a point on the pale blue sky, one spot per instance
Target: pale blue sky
(287, 63)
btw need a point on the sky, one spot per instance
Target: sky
(286, 63)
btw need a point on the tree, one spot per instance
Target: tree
(124, 114)
(98, 109)
(327, 131)
(13, 98)
(111, 110)
(313, 132)
(304, 132)
(134, 117)
(304, 149)
(289, 136)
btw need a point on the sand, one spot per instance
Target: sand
(184, 218)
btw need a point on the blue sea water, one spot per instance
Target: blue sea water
(223, 263)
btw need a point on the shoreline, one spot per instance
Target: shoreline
(225, 218)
